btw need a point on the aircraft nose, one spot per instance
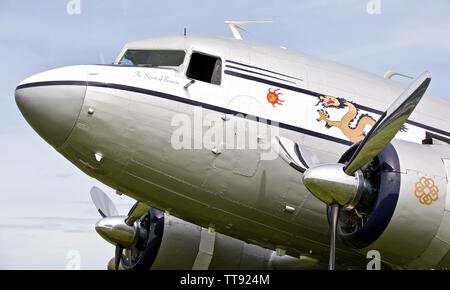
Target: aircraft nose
(51, 107)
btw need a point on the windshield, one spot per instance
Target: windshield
(153, 58)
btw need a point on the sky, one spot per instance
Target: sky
(46, 216)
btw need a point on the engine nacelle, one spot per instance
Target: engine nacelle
(188, 246)
(173, 243)
(404, 212)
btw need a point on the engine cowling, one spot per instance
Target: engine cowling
(403, 211)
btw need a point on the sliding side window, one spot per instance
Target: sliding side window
(205, 68)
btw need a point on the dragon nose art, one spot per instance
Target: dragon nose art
(51, 108)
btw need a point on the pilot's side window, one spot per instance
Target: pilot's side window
(205, 68)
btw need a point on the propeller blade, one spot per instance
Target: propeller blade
(103, 203)
(136, 212)
(333, 227)
(118, 257)
(389, 124)
(295, 155)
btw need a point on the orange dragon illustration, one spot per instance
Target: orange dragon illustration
(353, 133)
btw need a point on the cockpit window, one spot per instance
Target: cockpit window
(153, 58)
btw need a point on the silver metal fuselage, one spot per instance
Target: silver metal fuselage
(127, 117)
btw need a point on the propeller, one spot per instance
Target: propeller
(334, 216)
(136, 212)
(298, 157)
(106, 208)
(389, 124)
(340, 186)
(118, 256)
(118, 230)
(103, 203)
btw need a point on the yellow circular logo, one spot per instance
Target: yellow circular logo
(426, 191)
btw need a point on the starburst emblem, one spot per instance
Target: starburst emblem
(274, 97)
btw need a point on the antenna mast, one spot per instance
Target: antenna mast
(235, 26)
